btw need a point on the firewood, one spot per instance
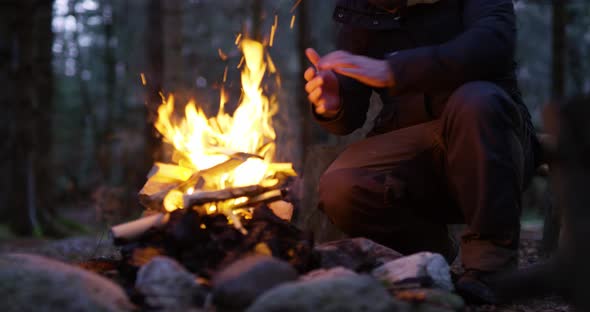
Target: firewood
(162, 172)
(200, 198)
(232, 163)
(132, 230)
(164, 178)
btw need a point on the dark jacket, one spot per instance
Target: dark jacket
(432, 50)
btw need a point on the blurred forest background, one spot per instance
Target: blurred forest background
(78, 140)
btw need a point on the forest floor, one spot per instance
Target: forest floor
(83, 248)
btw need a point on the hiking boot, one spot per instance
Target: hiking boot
(476, 288)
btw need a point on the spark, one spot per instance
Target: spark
(295, 6)
(238, 38)
(292, 21)
(143, 80)
(222, 55)
(273, 30)
(225, 74)
(241, 62)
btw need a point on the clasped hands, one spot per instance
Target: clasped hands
(322, 84)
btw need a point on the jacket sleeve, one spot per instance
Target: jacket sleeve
(483, 51)
(354, 96)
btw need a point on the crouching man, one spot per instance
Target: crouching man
(453, 143)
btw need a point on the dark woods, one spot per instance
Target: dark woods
(27, 81)
(76, 120)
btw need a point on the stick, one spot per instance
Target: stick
(132, 230)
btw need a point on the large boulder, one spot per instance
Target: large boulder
(424, 266)
(342, 294)
(166, 285)
(35, 283)
(239, 284)
(357, 254)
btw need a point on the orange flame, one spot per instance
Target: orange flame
(201, 142)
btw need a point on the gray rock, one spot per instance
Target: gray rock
(168, 286)
(327, 274)
(351, 293)
(35, 283)
(357, 254)
(420, 265)
(238, 285)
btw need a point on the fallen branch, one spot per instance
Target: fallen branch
(130, 231)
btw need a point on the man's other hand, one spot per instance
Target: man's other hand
(322, 88)
(371, 72)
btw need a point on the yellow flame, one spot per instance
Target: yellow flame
(201, 142)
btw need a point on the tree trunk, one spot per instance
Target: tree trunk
(31, 65)
(559, 48)
(89, 122)
(8, 100)
(105, 153)
(43, 105)
(154, 76)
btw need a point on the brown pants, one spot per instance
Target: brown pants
(469, 166)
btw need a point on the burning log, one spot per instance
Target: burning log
(201, 198)
(164, 178)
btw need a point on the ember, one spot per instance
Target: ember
(204, 243)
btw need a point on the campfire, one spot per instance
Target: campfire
(222, 170)
(216, 232)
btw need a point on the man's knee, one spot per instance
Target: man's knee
(337, 191)
(477, 101)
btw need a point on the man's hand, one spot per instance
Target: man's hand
(322, 88)
(371, 72)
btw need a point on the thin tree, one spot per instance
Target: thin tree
(559, 48)
(153, 78)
